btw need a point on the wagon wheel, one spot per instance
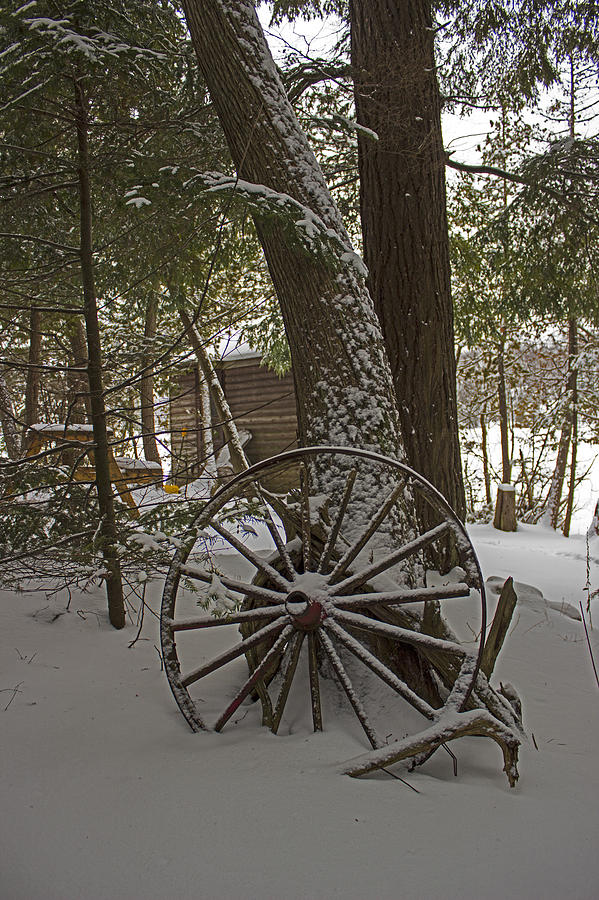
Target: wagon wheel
(330, 587)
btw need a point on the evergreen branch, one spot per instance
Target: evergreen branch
(66, 248)
(473, 169)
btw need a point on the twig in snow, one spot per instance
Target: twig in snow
(140, 617)
(15, 691)
(586, 631)
(454, 758)
(403, 781)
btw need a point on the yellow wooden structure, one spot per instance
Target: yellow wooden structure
(123, 471)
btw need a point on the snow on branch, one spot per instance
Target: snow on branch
(94, 45)
(308, 228)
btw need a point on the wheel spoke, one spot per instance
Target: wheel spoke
(305, 515)
(287, 679)
(238, 650)
(409, 595)
(348, 687)
(274, 652)
(376, 520)
(252, 557)
(380, 669)
(245, 615)
(276, 536)
(334, 532)
(238, 587)
(314, 683)
(364, 623)
(392, 559)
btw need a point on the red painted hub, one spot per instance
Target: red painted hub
(307, 614)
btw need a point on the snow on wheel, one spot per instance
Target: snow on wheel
(327, 579)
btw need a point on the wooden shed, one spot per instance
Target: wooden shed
(261, 403)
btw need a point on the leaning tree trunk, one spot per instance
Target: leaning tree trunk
(342, 378)
(404, 227)
(146, 385)
(107, 529)
(239, 460)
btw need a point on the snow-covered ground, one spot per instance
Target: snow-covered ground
(107, 794)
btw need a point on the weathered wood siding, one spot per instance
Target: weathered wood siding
(260, 402)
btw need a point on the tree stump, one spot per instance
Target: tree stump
(505, 508)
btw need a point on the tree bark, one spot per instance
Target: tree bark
(504, 425)
(8, 420)
(343, 380)
(342, 377)
(239, 460)
(573, 366)
(32, 384)
(485, 454)
(554, 499)
(404, 227)
(146, 387)
(207, 440)
(79, 410)
(505, 508)
(108, 532)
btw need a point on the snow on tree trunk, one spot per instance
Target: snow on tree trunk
(342, 376)
(343, 380)
(206, 419)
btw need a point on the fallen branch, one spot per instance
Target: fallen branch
(15, 690)
(448, 727)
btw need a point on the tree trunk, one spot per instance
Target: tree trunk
(238, 458)
(79, 410)
(554, 499)
(108, 533)
(573, 380)
(146, 386)
(505, 508)
(485, 454)
(504, 425)
(32, 384)
(343, 381)
(207, 440)
(8, 421)
(342, 377)
(404, 227)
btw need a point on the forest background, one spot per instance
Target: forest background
(122, 260)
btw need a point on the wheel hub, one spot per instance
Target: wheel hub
(306, 612)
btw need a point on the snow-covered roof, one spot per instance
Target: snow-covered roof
(230, 352)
